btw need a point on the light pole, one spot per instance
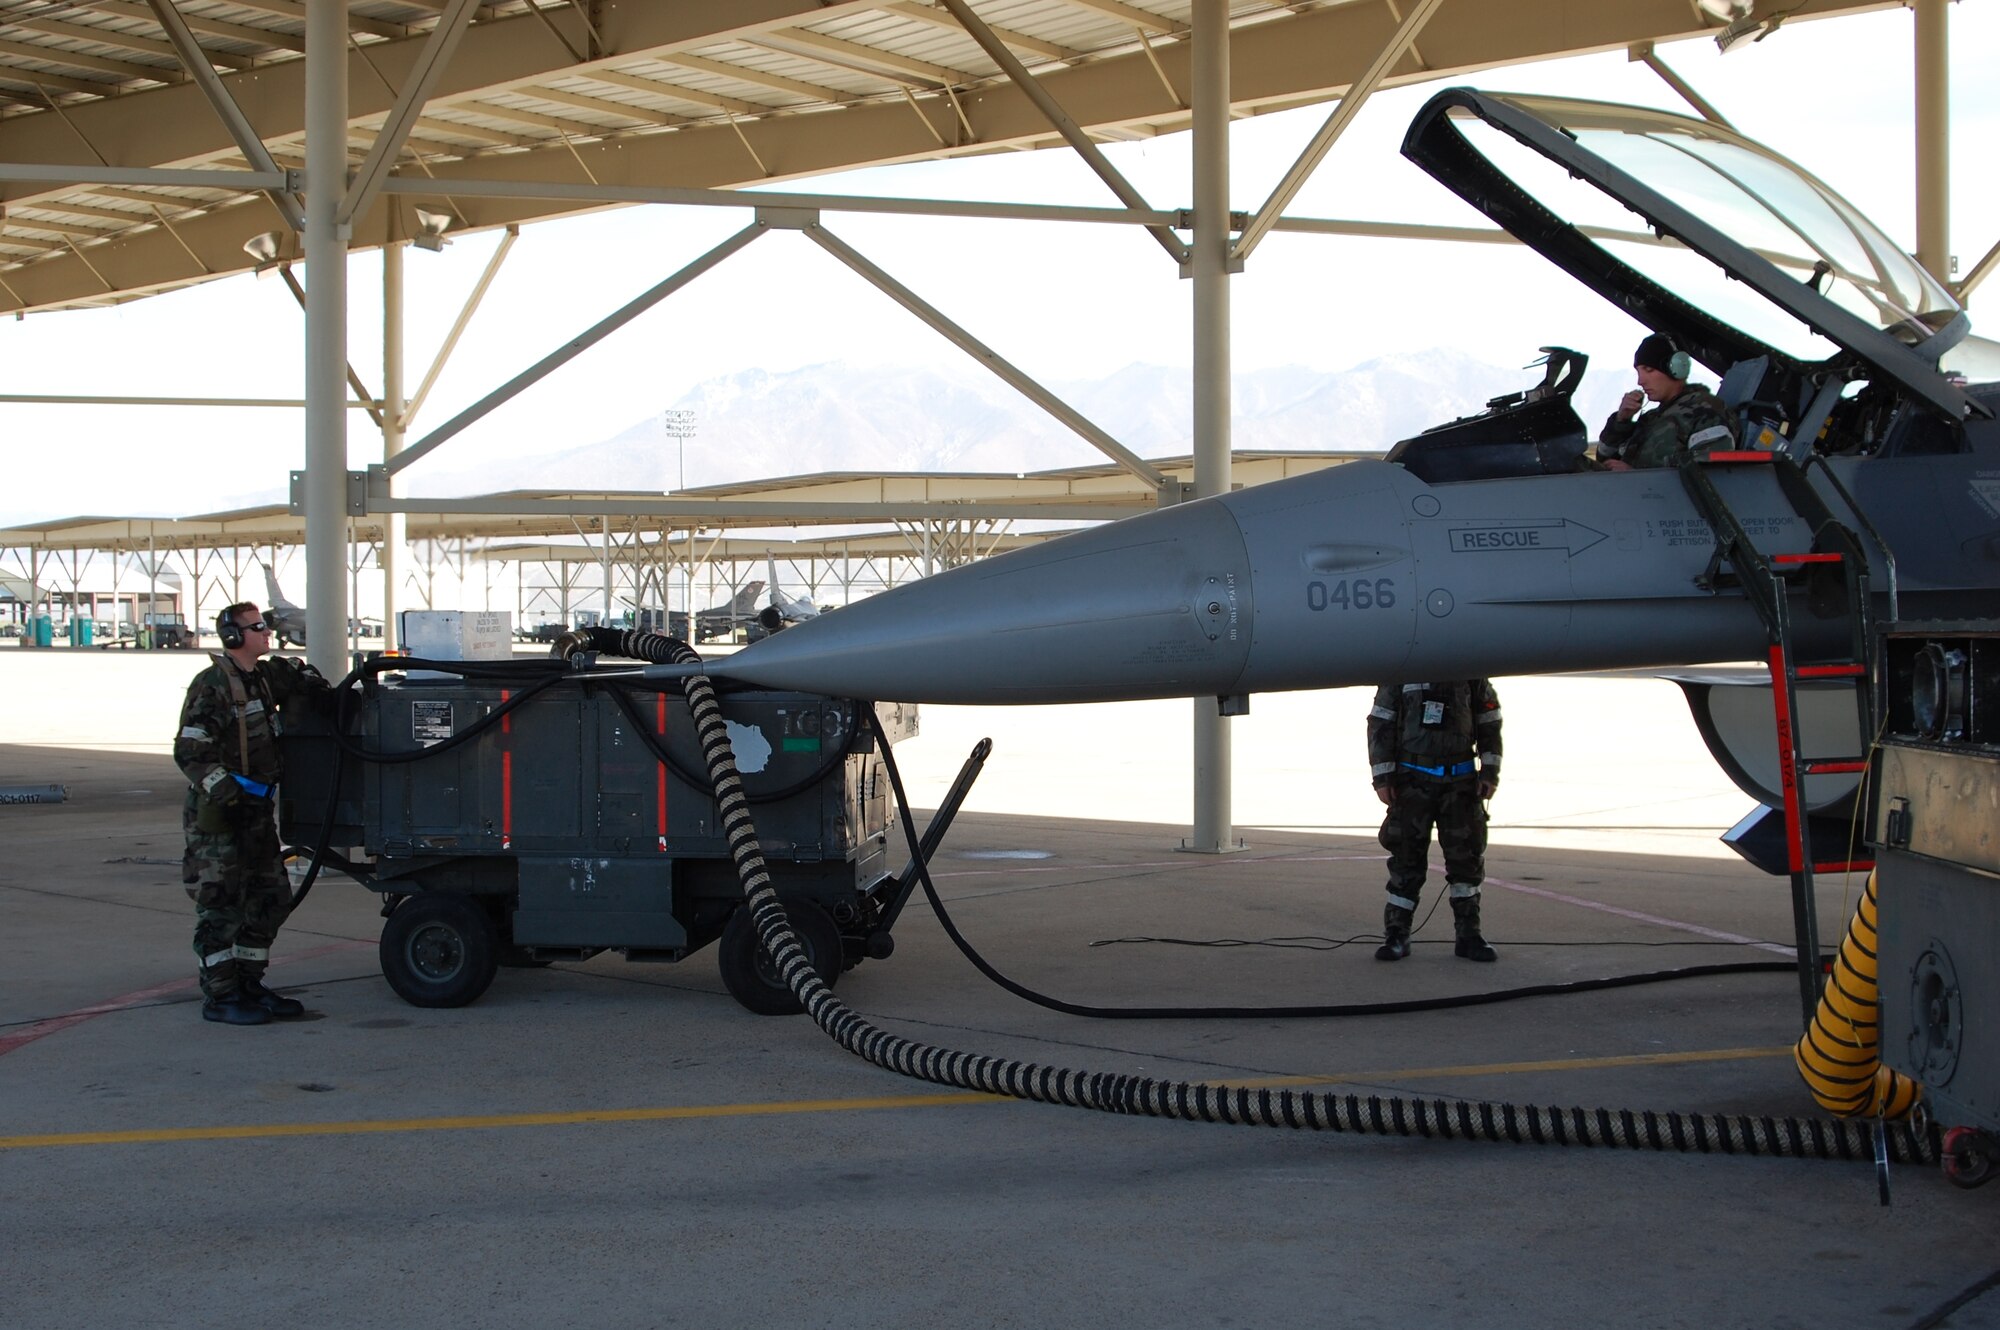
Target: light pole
(679, 425)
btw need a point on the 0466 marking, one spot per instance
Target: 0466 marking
(1360, 593)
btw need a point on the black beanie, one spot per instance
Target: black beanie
(1656, 352)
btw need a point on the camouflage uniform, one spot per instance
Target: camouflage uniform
(1422, 742)
(1661, 436)
(230, 727)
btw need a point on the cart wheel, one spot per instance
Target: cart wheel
(752, 977)
(1968, 1157)
(439, 950)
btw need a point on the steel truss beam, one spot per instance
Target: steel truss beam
(1072, 132)
(1305, 56)
(196, 62)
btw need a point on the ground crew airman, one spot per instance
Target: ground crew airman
(1685, 416)
(1434, 753)
(228, 749)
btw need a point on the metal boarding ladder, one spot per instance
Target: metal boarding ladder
(1835, 570)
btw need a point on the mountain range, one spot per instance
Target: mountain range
(840, 417)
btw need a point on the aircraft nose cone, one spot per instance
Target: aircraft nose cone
(1154, 606)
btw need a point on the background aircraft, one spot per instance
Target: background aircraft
(288, 621)
(783, 611)
(719, 621)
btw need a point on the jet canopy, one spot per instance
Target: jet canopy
(1740, 253)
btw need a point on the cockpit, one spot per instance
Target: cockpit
(1537, 431)
(1824, 335)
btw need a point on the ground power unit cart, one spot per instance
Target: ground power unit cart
(522, 812)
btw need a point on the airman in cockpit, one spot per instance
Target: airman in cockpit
(1684, 415)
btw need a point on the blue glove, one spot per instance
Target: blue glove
(258, 788)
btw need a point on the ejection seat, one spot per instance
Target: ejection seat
(1531, 433)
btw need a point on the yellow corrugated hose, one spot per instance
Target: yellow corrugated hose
(1837, 1053)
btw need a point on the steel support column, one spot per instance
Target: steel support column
(395, 526)
(326, 336)
(1210, 254)
(1933, 123)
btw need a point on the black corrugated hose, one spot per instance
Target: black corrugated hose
(1112, 1092)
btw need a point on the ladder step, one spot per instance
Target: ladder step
(1807, 558)
(1735, 457)
(1830, 671)
(1833, 767)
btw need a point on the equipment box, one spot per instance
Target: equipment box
(582, 820)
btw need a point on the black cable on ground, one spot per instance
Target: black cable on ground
(1027, 994)
(1320, 1111)
(1281, 1013)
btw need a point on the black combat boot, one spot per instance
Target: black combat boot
(1395, 933)
(235, 1009)
(281, 1007)
(1465, 922)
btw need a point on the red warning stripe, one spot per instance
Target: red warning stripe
(660, 727)
(506, 779)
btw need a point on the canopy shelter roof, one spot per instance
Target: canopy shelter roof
(1084, 493)
(750, 551)
(142, 145)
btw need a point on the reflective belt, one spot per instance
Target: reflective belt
(1465, 768)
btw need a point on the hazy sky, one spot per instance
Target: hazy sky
(1061, 301)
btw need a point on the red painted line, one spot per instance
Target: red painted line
(1807, 558)
(1738, 456)
(660, 726)
(56, 1024)
(1830, 671)
(506, 780)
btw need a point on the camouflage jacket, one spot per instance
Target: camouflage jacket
(1660, 437)
(1431, 728)
(230, 721)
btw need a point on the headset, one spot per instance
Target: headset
(228, 629)
(1679, 364)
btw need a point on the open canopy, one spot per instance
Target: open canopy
(1743, 255)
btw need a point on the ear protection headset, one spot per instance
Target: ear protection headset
(228, 630)
(1679, 365)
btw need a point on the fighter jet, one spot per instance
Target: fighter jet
(288, 621)
(783, 611)
(719, 621)
(1478, 547)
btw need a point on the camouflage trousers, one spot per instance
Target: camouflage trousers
(241, 893)
(1453, 808)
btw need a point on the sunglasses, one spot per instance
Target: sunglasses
(258, 627)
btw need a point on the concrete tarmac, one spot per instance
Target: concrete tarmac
(619, 1144)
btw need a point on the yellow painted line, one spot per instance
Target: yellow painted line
(487, 1121)
(1516, 1068)
(481, 1122)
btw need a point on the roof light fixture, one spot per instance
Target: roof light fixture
(1748, 27)
(432, 226)
(264, 248)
